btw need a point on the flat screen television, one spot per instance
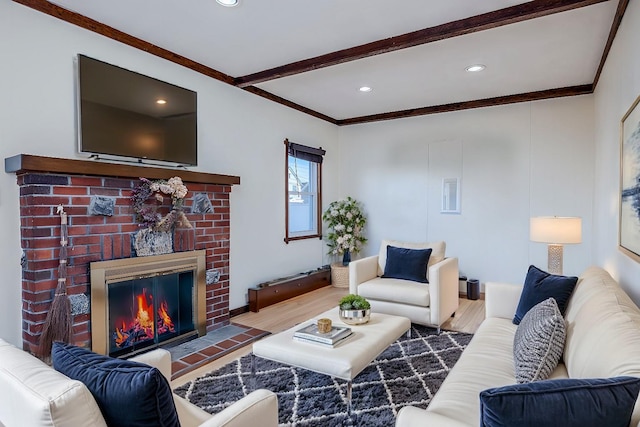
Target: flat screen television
(130, 116)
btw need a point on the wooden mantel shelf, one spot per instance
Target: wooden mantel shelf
(24, 163)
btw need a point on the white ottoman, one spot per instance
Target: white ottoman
(344, 361)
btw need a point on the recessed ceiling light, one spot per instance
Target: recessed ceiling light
(228, 3)
(161, 101)
(365, 89)
(475, 68)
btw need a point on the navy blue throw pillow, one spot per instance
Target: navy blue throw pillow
(539, 286)
(563, 403)
(407, 264)
(128, 393)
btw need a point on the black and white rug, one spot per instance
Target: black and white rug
(409, 372)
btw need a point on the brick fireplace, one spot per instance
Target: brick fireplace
(47, 182)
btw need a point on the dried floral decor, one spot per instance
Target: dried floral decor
(149, 196)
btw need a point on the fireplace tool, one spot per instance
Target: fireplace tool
(57, 326)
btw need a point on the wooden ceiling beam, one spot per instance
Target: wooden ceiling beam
(529, 10)
(617, 19)
(97, 27)
(485, 21)
(275, 98)
(466, 105)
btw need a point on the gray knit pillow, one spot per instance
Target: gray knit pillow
(539, 342)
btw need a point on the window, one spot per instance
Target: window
(303, 187)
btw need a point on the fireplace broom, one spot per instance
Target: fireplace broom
(57, 325)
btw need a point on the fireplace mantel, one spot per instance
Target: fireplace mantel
(23, 163)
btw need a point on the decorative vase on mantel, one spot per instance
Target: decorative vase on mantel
(346, 257)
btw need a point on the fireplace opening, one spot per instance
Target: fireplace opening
(150, 311)
(141, 303)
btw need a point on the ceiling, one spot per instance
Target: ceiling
(314, 55)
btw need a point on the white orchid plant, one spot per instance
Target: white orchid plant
(346, 223)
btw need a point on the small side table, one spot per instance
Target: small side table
(340, 275)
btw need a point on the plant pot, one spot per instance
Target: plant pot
(354, 317)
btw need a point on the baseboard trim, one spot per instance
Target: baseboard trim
(238, 311)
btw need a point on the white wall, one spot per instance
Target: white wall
(239, 133)
(514, 162)
(617, 89)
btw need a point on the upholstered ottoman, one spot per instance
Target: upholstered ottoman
(347, 359)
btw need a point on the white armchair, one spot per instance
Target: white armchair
(258, 405)
(428, 304)
(35, 394)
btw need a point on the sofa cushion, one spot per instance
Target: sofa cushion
(564, 402)
(407, 264)
(128, 393)
(437, 251)
(603, 333)
(486, 362)
(396, 290)
(540, 285)
(34, 394)
(539, 342)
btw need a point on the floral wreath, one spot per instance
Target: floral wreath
(147, 213)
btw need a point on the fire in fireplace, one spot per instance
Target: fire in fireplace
(142, 303)
(149, 311)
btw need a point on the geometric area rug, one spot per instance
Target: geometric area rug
(409, 372)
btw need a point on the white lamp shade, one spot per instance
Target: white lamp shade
(556, 229)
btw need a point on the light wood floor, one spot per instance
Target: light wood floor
(286, 314)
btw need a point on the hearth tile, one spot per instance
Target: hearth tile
(177, 366)
(186, 348)
(222, 334)
(191, 355)
(254, 332)
(211, 351)
(242, 338)
(227, 344)
(194, 358)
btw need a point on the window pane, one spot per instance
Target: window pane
(302, 214)
(302, 178)
(299, 174)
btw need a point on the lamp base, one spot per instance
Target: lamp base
(554, 259)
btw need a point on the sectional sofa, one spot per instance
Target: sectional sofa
(602, 341)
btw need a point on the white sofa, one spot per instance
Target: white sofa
(429, 304)
(34, 394)
(603, 340)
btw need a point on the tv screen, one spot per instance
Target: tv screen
(125, 114)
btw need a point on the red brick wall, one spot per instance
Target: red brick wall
(100, 238)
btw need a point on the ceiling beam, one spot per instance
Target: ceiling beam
(617, 20)
(97, 27)
(466, 105)
(535, 8)
(485, 21)
(290, 104)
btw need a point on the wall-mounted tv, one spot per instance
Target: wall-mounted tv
(131, 116)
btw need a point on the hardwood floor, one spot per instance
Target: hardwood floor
(288, 313)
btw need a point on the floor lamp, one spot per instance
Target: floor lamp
(556, 231)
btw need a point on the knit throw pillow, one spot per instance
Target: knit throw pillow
(539, 342)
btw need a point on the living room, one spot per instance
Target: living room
(549, 157)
